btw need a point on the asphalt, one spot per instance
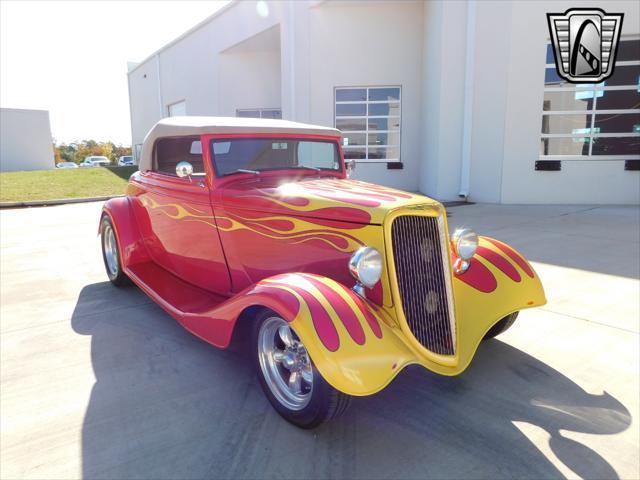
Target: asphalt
(99, 382)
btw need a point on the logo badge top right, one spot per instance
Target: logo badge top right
(585, 43)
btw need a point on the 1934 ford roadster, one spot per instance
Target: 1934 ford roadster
(253, 226)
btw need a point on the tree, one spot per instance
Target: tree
(77, 151)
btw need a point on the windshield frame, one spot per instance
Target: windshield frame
(339, 172)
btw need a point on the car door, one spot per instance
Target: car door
(176, 217)
(264, 231)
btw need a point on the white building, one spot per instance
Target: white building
(25, 140)
(451, 99)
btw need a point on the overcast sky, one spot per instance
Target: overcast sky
(71, 58)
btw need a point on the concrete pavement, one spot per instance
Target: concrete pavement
(99, 382)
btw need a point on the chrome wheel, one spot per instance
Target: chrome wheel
(285, 364)
(110, 247)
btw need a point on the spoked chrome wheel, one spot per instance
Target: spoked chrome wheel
(110, 250)
(285, 364)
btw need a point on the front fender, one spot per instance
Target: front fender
(349, 339)
(498, 282)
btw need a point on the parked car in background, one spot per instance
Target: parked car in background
(66, 165)
(252, 228)
(126, 161)
(95, 161)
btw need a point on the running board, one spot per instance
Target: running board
(193, 307)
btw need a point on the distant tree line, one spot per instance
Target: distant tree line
(77, 151)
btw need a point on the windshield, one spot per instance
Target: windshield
(253, 155)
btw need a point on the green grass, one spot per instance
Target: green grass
(59, 184)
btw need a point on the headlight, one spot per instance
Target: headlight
(366, 266)
(465, 242)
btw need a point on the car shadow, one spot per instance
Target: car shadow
(168, 405)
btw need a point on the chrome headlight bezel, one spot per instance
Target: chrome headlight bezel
(366, 266)
(465, 243)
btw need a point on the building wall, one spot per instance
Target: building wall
(249, 74)
(443, 94)
(189, 68)
(367, 47)
(489, 102)
(472, 77)
(25, 141)
(145, 103)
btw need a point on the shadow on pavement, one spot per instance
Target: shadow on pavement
(167, 405)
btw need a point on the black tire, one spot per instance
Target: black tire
(116, 276)
(502, 326)
(325, 403)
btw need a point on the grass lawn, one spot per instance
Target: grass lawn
(63, 183)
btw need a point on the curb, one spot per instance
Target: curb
(48, 203)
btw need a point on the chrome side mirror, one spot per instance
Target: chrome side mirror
(350, 166)
(184, 169)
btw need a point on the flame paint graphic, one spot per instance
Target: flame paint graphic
(329, 304)
(177, 211)
(360, 194)
(481, 278)
(292, 230)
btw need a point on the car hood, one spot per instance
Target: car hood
(330, 198)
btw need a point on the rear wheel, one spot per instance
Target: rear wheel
(111, 253)
(289, 378)
(502, 326)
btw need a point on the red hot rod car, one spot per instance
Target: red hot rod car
(253, 226)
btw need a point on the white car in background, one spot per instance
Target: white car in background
(126, 161)
(95, 161)
(66, 165)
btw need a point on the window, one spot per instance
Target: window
(593, 121)
(168, 152)
(178, 108)
(369, 118)
(259, 113)
(231, 155)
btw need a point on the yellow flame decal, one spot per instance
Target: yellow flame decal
(301, 233)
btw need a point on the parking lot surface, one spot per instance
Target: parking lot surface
(98, 382)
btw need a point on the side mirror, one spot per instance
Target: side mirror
(184, 169)
(350, 166)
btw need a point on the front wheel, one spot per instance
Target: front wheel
(289, 378)
(502, 326)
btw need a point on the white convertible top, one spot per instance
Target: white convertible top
(188, 126)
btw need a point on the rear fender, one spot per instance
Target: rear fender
(130, 244)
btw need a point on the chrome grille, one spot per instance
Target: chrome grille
(421, 260)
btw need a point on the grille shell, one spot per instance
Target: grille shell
(424, 283)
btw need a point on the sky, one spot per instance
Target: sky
(70, 57)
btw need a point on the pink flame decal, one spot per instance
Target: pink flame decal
(500, 262)
(344, 311)
(522, 263)
(322, 323)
